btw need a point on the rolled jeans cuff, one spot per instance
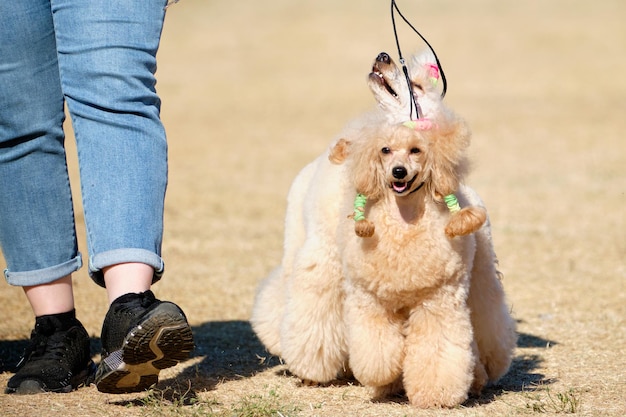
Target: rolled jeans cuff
(45, 275)
(122, 256)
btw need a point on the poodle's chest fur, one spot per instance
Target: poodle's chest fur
(403, 263)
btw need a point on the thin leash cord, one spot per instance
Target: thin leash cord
(394, 8)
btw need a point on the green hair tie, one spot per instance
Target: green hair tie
(359, 207)
(452, 203)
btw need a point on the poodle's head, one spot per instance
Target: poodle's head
(409, 151)
(396, 159)
(390, 88)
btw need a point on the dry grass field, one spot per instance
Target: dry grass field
(253, 90)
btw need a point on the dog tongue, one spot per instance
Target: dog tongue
(399, 187)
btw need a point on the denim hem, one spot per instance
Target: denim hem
(121, 256)
(44, 275)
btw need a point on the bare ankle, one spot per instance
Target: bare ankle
(127, 278)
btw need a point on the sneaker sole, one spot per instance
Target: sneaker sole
(161, 340)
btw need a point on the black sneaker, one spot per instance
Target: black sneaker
(140, 336)
(57, 358)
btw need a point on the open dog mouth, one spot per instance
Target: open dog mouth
(379, 78)
(400, 187)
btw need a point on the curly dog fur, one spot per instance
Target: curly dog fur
(409, 308)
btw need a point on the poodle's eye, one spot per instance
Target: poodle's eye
(418, 86)
(415, 150)
(385, 150)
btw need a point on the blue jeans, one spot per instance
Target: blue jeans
(98, 57)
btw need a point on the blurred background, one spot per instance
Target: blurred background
(252, 91)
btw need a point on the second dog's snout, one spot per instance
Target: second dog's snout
(399, 172)
(383, 57)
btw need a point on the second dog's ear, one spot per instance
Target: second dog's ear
(339, 151)
(447, 160)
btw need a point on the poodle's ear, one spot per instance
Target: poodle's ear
(366, 169)
(339, 151)
(447, 158)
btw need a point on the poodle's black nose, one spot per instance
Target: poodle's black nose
(383, 57)
(399, 172)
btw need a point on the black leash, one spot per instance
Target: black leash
(394, 8)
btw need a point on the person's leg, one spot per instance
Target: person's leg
(107, 59)
(117, 282)
(52, 298)
(37, 233)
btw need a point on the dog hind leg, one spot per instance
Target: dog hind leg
(312, 330)
(494, 328)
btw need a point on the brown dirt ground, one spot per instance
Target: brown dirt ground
(254, 90)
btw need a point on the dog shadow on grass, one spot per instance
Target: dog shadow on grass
(524, 373)
(229, 350)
